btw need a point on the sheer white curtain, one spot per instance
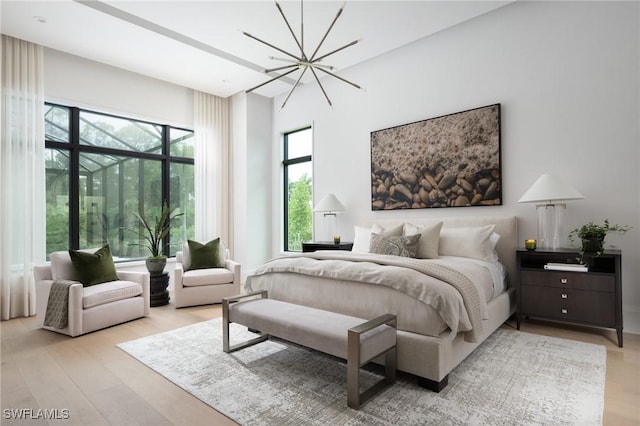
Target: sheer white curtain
(213, 216)
(22, 176)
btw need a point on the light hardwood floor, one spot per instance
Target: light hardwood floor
(101, 385)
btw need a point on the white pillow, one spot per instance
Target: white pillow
(493, 241)
(474, 242)
(362, 239)
(429, 240)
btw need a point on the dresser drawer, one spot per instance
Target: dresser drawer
(592, 307)
(575, 280)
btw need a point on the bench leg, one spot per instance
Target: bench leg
(225, 331)
(354, 398)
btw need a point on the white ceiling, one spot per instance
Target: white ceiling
(199, 44)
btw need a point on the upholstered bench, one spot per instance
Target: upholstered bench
(354, 339)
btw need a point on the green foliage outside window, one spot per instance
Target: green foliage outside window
(300, 212)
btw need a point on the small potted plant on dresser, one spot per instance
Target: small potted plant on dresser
(592, 237)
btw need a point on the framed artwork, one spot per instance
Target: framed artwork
(448, 161)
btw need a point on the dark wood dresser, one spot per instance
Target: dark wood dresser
(591, 298)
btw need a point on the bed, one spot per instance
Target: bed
(447, 301)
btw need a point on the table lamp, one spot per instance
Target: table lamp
(548, 190)
(329, 205)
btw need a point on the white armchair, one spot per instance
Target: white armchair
(94, 307)
(204, 286)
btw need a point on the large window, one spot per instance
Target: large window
(298, 174)
(101, 168)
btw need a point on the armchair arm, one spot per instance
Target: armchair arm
(42, 272)
(234, 267)
(75, 310)
(178, 272)
(43, 288)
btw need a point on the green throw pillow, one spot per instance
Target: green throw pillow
(204, 256)
(94, 268)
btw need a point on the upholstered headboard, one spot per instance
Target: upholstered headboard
(506, 227)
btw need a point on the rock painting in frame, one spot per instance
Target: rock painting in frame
(447, 161)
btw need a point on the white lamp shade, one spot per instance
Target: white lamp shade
(549, 188)
(329, 203)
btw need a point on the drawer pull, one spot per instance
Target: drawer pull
(564, 280)
(564, 311)
(564, 295)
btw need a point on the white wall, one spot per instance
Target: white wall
(75, 81)
(568, 78)
(251, 141)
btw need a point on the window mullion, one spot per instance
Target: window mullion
(166, 181)
(74, 179)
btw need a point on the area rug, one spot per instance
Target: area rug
(513, 378)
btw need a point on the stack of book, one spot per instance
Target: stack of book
(576, 267)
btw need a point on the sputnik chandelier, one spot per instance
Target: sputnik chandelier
(302, 61)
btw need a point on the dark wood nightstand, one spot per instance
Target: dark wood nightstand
(325, 245)
(590, 298)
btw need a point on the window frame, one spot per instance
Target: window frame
(286, 162)
(75, 148)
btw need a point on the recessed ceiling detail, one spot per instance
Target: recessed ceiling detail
(199, 44)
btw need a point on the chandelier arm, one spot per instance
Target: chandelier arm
(339, 78)
(284, 67)
(291, 30)
(294, 87)
(293, 61)
(328, 67)
(327, 33)
(337, 50)
(298, 62)
(321, 87)
(271, 45)
(269, 81)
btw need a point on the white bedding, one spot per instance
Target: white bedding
(424, 304)
(497, 270)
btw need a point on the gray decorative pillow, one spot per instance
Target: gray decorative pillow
(405, 246)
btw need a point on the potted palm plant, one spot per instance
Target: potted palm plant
(154, 233)
(592, 236)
